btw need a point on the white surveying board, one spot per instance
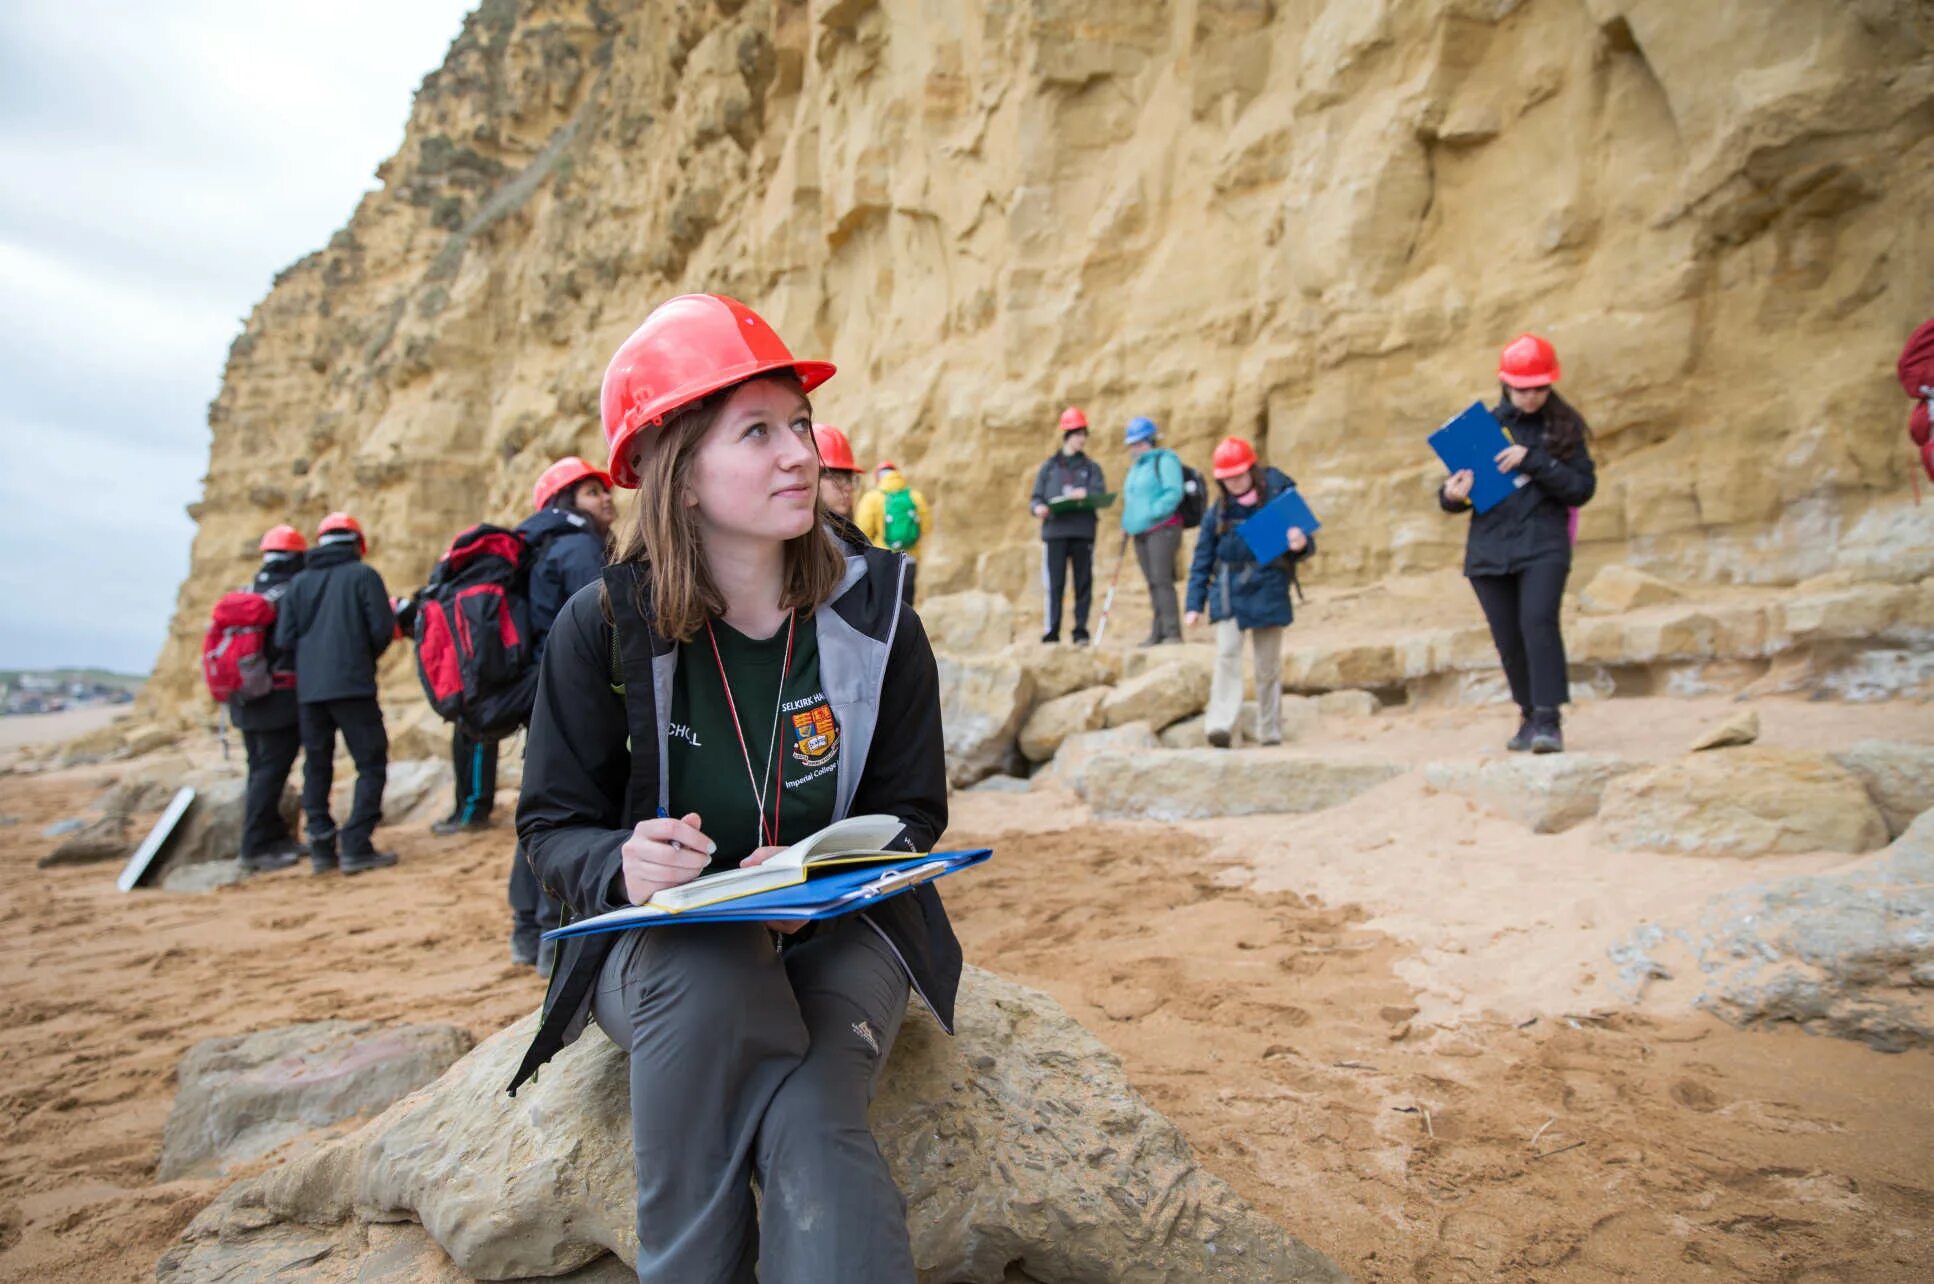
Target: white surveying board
(144, 855)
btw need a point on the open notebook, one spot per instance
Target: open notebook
(857, 840)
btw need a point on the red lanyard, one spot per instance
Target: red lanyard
(768, 837)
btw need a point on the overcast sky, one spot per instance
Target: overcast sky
(159, 163)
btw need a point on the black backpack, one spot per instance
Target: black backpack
(473, 636)
(1195, 498)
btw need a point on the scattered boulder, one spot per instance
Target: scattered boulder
(1347, 704)
(1899, 778)
(1185, 784)
(1070, 765)
(410, 785)
(1060, 670)
(1619, 588)
(212, 829)
(982, 705)
(968, 623)
(1746, 802)
(1740, 729)
(243, 1095)
(1164, 694)
(1850, 954)
(104, 838)
(1144, 658)
(1549, 793)
(1059, 718)
(1020, 1140)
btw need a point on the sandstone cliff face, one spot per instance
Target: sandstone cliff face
(1307, 222)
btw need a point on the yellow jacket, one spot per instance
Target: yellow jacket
(870, 513)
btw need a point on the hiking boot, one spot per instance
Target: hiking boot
(358, 862)
(546, 958)
(322, 857)
(1173, 639)
(280, 857)
(456, 824)
(1050, 639)
(1521, 743)
(1153, 639)
(1546, 736)
(1081, 637)
(523, 948)
(1219, 738)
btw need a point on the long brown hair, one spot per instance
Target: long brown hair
(661, 532)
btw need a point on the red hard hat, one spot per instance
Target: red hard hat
(283, 539)
(343, 522)
(885, 465)
(835, 452)
(688, 347)
(561, 476)
(1072, 418)
(1233, 457)
(1528, 362)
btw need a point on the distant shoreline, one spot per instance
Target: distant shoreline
(23, 729)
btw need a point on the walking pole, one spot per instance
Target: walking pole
(1108, 599)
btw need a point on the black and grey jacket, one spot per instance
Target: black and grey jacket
(1533, 525)
(1062, 473)
(595, 765)
(335, 620)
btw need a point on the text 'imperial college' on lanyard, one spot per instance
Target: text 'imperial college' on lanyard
(766, 786)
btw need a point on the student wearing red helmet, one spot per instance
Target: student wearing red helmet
(1242, 596)
(271, 738)
(726, 693)
(838, 474)
(1067, 537)
(1518, 555)
(336, 619)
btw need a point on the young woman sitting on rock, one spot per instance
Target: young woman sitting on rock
(1518, 555)
(721, 695)
(1242, 595)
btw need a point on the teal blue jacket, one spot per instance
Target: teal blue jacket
(1152, 492)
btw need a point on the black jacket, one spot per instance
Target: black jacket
(1534, 524)
(592, 767)
(277, 709)
(1062, 472)
(335, 619)
(570, 554)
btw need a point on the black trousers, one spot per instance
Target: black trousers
(1057, 556)
(532, 909)
(270, 755)
(361, 723)
(1522, 610)
(474, 763)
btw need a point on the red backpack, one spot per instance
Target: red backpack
(234, 658)
(1916, 371)
(473, 637)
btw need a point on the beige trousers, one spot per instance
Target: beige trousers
(1225, 693)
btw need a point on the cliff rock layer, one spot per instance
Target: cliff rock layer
(1311, 222)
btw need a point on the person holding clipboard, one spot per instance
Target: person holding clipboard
(742, 677)
(1243, 595)
(1518, 553)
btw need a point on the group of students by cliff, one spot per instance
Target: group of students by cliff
(643, 653)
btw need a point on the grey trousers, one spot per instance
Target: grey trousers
(1155, 550)
(747, 1063)
(1225, 690)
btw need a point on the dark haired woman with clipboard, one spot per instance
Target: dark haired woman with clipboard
(1518, 554)
(1242, 595)
(744, 676)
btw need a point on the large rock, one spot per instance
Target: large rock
(1069, 769)
(212, 829)
(1019, 1142)
(243, 1095)
(1742, 802)
(1742, 728)
(1299, 718)
(1619, 588)
(1183, 784)
(103, 838)
(1849, 954)
(968, 623)
(1548, 792)
(412, 786)
(1061, 670)
(982, 705)
(1059, 718)
(1899, 778)
(1348, 704)
(1164, 694)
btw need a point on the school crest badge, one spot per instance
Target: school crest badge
(815, 736)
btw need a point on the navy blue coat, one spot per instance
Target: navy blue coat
(570, 554)
(1224, 575)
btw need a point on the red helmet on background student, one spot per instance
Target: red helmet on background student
(338, 522)
(561, 476)
(835, 452)
(1528, 362)
(688, 348)
(1072, 419)
(1233, 457)
(283, 539)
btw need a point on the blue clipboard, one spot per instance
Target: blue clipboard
(845, 891)
(1266, 531)
(1472, 440)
